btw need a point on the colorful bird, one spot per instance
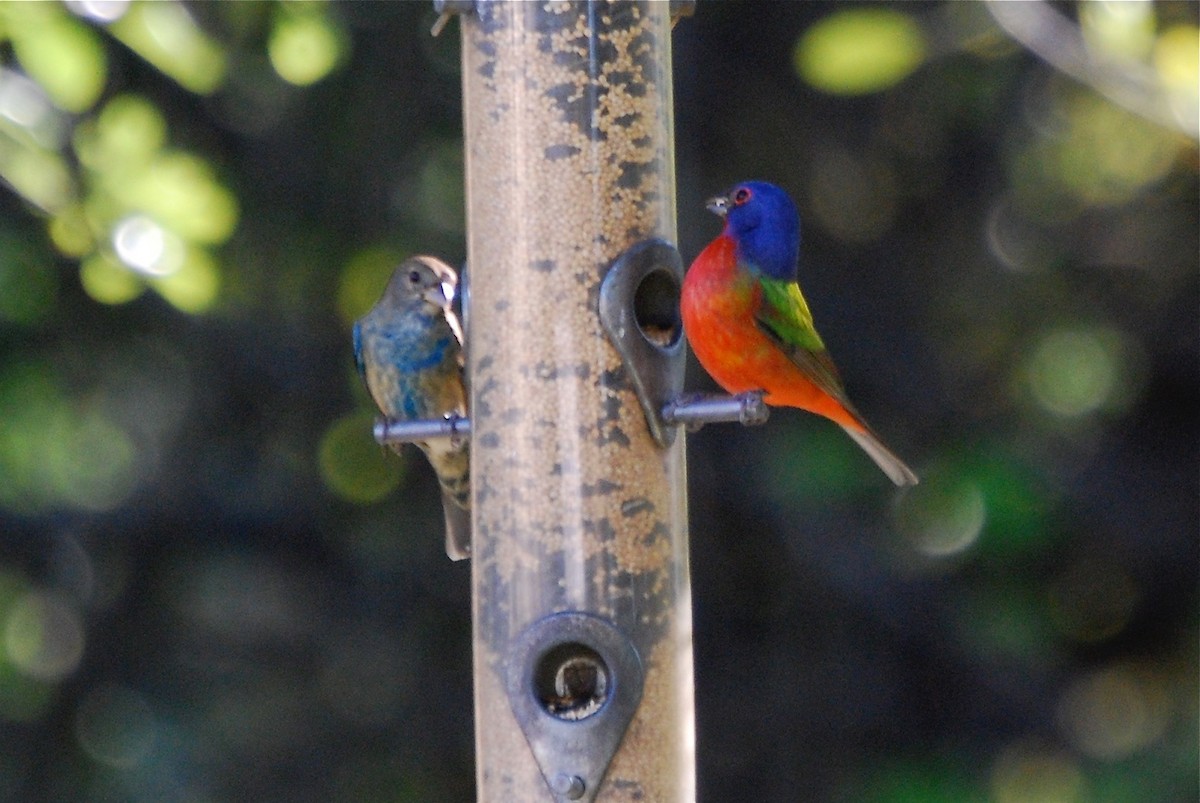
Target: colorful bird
(750, 326)
(409, 353)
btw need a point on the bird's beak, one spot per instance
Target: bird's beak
(440, 294)
(718, 205)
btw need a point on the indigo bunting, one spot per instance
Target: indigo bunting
(409, 353)
(749, 325)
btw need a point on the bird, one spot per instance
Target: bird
(749, 325)
(408, 350)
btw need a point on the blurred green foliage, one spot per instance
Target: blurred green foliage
(353, 465)
(860, 50)
(215, 586)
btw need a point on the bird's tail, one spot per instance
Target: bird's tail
(452, 463)
(884, 458)
(458, 528)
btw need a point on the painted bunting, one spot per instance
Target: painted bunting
(750, 326)
(409, 353)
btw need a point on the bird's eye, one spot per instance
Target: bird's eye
(741, 196)
(414, 277)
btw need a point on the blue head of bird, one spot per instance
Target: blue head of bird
(763, 221)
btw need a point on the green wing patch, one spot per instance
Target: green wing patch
(785, 311)
(784, 317)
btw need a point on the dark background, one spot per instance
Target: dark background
(213, 586)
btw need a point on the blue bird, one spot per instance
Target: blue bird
(408, 348)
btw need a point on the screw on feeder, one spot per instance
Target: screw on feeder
(571, 787)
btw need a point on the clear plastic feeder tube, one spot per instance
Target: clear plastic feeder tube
(568, 129)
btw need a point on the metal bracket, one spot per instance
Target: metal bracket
(639, 308)
(574, 683)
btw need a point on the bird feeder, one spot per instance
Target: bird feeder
(581, 602)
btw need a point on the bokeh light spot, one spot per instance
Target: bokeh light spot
(438, 199)
(1014, 523)
(182, 194)
(1004, 622)
(22, 698)
(353, 465)
(942, 516)
(1117, 28)
(99, 10)
(1116, 711)
(1108, 154)
(854, 198)
(1074, 372)
(29, 398)
(165, 35)
(40, 176)
(861, 50)
(90, 461)
(24, 104)
(1177, 57)
(242, 598)
(928, 780)
(146, 387)
(56, 451)
(125, 136)
(70, 233)
(108, 281)
(147, 247)
(63, 55)
(115, 726)
(43, 636)
(1017, 242)
(1027, 772)
(803, 463)
(303, 46)
(1177, 61)
(195, 286)
(1093, 600)
(362, 281)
